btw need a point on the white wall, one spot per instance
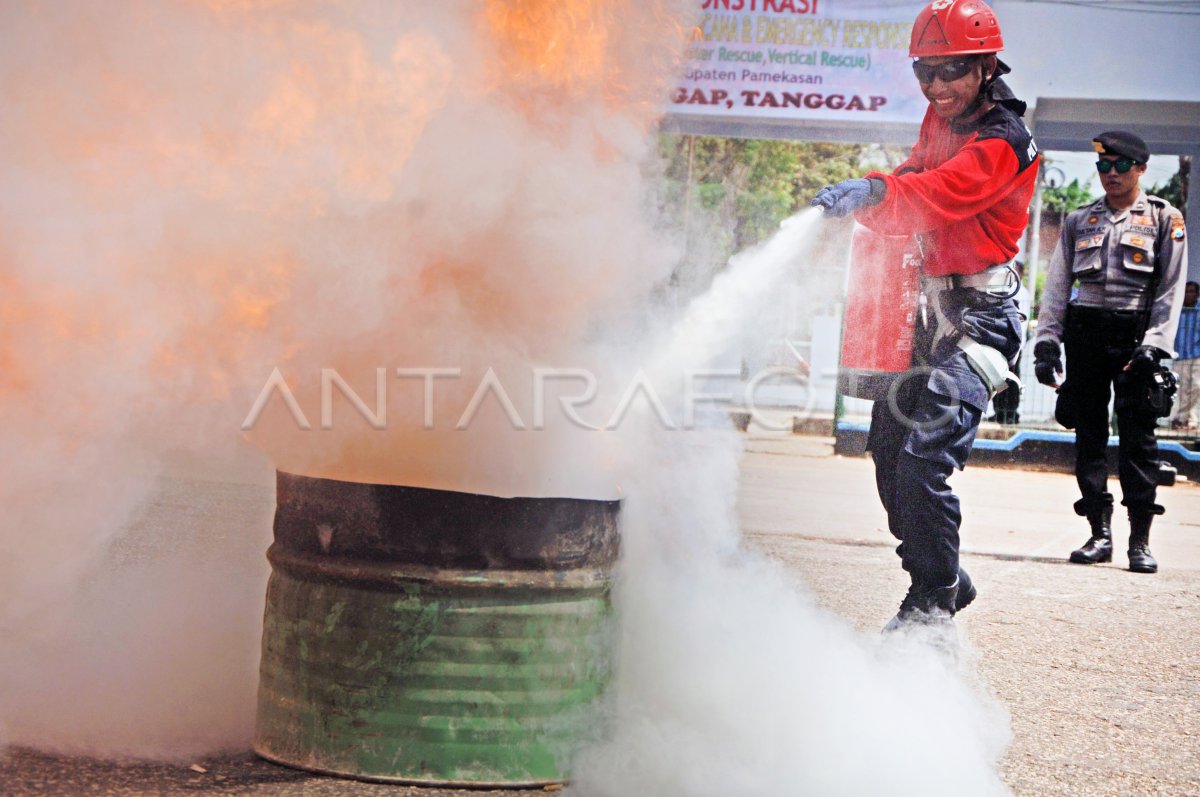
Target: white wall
(1061, 50)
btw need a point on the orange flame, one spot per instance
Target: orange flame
(236, 177)
(16, 312)
(235, 304)
(578, 48)
(554, 44)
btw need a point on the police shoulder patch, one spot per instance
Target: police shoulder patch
(1177, 226)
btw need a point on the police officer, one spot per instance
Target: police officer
(964, 191)
(1127, 253)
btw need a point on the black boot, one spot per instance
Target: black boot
(925, 605)
(966, 591)
(1099, 547)
(1140, 558)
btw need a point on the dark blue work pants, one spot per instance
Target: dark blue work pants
(926, 427)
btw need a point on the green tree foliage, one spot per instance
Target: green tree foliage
(727, 194)
(1175, 190)
(760, 181)
(1066, 198)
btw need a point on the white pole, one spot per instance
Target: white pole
(1032, 251)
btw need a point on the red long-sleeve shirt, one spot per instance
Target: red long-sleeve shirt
(966, 191)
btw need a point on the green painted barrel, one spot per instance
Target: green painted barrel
(433, 637)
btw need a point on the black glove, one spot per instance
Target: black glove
(1145, 359)
(1047, 365)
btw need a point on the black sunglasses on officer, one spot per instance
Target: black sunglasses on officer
(947, 71)
(1122, 165)
(1120, 150)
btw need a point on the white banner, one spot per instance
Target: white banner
(834, 60)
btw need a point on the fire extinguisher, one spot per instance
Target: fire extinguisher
(882, 298)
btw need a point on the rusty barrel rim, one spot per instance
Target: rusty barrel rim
(443, 528)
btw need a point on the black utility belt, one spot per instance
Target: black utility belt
(1082, 311)
(1123, 326)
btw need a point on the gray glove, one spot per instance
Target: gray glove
(1048, 365)
(845, 197)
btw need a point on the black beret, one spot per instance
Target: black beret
(1122, 144)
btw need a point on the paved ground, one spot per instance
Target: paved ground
(1099, 667)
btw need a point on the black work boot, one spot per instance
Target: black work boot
(1099, 547)
(966, 591)
(925, 605)
(1140, 558)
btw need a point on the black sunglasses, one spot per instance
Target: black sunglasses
(1122, 165)
(948, 71)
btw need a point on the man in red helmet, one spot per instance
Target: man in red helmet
(964, 192)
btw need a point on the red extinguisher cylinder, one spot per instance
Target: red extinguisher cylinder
(882, 297)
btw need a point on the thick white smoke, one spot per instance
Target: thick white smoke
(194, 194)
(732, 681)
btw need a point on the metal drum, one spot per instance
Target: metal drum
(434, 637)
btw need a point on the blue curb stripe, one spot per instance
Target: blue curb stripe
(1048, 437)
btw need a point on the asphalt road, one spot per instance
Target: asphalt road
(1099, 668)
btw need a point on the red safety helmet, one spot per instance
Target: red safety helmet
(955, 27)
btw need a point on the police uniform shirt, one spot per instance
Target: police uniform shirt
(1113, 257)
